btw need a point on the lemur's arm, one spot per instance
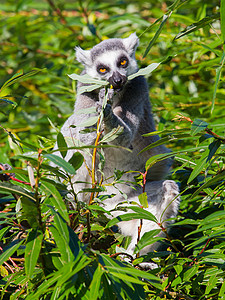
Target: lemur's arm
(120, 116)
(128, 112)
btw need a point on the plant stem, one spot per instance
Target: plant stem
(36, 195)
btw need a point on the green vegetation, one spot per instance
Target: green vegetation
(48, 250)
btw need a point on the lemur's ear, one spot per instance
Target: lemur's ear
(83, 56)
(131, 43)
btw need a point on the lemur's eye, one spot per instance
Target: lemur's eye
(102, 69)
(123, 62)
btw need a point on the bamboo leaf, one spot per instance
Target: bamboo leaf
(164, 19)
(218, 75)
(76, 160)
(88, 88)
(211, 284)
(56, 200)
(61, 144)
(198, 126)
(88, 110)
(147, 239)
(210, 182)
(87, 79)
(32, 251)
(61, 163)
(195, 26)
(155, 281)
(114, 133)
(201, 163)
(89, 122)
(62, 244)
(222, 17)
(18, 76)
(140, 213)
(144, 71)
(9, 250)
(93, 292)
(11, 188)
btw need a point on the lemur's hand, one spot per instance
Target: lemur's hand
(108, 108)
(102, 94)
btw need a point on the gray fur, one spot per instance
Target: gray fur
(131, 110)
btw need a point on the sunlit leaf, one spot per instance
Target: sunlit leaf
(32, 251)
(61, 163)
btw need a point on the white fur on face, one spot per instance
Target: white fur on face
(110, 59)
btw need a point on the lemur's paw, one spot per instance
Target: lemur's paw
(106, 111)
(102, 94)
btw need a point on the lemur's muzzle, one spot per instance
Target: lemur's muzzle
(117, 80)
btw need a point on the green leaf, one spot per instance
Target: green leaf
(89, 110)
(200, 164)
(190, 273)
(18, 76)
(143, 199)
(87, 79)
(61, 163)
(15, 189)
(140, 213)
(125, 277)
(93, 292)
(211, 284)
(148, 238)
(145, 214)
(61, 144)
(144, 71)
(29, 212)
(213, 147)
(155, 281)
(56, 200)
(62, 244)
(204, 160)
(195, 26)
(164, 19)
(210, 182)
(76, 160)
(66, 239)
(110, 136)
(9, 250)
(88, 88)
(198, 126)
(222, 18)
(222, 291)
(32, 251)
(218, 75)
(89, 122)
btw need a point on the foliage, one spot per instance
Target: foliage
(51, 249)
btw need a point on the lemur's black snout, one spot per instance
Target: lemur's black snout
(117, 80)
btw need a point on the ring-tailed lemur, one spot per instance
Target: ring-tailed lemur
(114, 60)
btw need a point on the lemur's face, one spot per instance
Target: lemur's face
(113, 66)
(112, 60)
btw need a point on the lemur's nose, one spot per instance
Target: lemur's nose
(117, 80)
